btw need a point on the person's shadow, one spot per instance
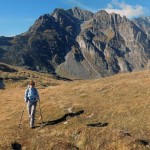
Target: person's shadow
(68, 115)
(62, 119)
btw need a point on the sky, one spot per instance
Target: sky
(16, 16)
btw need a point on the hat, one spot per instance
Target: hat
(32, 82)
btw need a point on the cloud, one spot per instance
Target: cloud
(125, 9)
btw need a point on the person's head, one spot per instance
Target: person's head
(32, 83)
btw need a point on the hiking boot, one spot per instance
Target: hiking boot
(31, 127)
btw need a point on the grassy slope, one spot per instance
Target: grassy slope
(122, 101)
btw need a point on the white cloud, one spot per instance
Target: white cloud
(125, 9)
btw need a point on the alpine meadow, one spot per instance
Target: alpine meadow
(76, 80)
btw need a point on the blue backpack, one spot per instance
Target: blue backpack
(32, 94)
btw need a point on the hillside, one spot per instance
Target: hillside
(110, 113)
(77, 43)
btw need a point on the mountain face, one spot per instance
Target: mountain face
(76, 43)
(144, 24)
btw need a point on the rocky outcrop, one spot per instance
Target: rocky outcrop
(2, 85)
(5, 68)
(109, 44)
(76, 43)
(144, 24)
(82, 15)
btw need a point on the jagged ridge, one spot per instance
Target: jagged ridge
(76, 43)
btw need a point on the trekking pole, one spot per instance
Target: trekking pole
(21, 118)
(41, 113)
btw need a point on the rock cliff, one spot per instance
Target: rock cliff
(76, 43)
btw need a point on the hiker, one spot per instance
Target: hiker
(31, 98)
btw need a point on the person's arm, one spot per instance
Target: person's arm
(26, 95)
(37, 95)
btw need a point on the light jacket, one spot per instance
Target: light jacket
(31, 94)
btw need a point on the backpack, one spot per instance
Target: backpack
(32, 94)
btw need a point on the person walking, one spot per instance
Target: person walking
(31, 97)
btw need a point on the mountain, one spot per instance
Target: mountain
(143, 23)
(82, 15)
(76, 43)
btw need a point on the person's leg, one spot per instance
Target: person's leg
(33, 110)
(29, 106)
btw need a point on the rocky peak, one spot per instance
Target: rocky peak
(105, 25)
(83, 15)
(143, 23)
(60, 13)
(43, 23)
(67, 22)
(58, 10)
(109, 19)
(116, 18)
(101, 19)
(143, 19)
(63, 17)
(77, 43)
(101, 13)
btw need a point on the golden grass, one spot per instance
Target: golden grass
(122, 101)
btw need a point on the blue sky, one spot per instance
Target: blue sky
(16, 16)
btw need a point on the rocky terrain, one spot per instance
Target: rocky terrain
(79, 44)
(1, 84)
(143, 23)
